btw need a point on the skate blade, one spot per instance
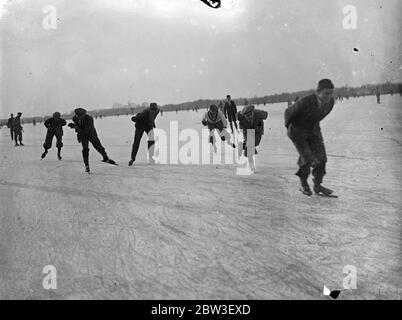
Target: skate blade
(327, 195)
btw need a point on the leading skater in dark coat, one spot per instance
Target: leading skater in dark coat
(86, 132)
(302, 121)
(144, 122)
(54, 127)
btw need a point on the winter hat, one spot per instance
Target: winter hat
(153, 106)
(80, 111)
(325, 84)
(56, 115)
(213, 108)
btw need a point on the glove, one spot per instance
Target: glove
(134, 119)
(204, 122)
(71, 125)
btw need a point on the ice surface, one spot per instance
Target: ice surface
(201, 231)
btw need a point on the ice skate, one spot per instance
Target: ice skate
(43, 155)
(87, 169)
(130, 163)
(110, 161)
(59, 157)
(305, 188)
(322, 191)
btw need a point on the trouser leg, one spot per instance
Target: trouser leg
(85, 150)
(98, 147)
(305, 155)
(59, 143)
(136, 144)
(48, 141)
(319, 158)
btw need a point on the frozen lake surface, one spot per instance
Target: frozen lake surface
(201, 231)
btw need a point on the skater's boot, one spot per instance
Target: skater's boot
(130, 163)
(58, 154)
(87, 168)
(318, 188)
(305, 188)
(108, 160)
(44, 154)
(21, 144)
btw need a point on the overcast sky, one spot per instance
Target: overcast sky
(172, 51)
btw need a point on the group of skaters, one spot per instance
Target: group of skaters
(302, 121)
(16, 129)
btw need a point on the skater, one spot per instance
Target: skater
(214, 119)
(230, 111)
(10, 125)
(378, 95)
(54, 127)
(302, 121)
(86, 132)
(17, 127)
(251, 118)
(34, 122)
(145, 122)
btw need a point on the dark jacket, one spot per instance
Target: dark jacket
(145, 120)
(306, 114)
(85, 128)
(255, 120)
(10, 123)
(230, 109)
(55, 125)
(17, 124)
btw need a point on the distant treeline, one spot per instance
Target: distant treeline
(340, 93)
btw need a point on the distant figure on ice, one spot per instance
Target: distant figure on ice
(253, 119)
(378, 95)
(10, 125)
(145, 122)
(302, 121)
(214, 119)
(17, 127)
(86, 132)
(54, 127)
(33, 122)
(230, 111)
